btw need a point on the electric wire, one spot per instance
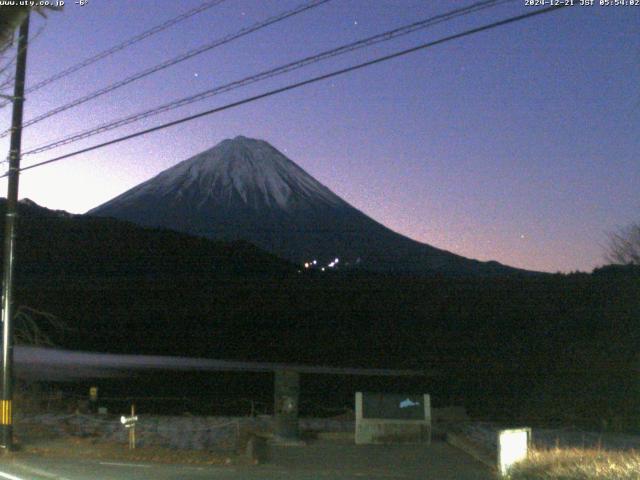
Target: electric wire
(9, 80)
(174, 61)
(121, 46)
(359, 44)
(297, 85)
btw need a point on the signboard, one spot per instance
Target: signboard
(129, 422)
(392, 418)
(393, 406)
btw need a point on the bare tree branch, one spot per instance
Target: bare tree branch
(624, 246)
(34, 327)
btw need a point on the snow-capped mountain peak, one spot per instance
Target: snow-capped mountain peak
(239, 169)
(246, 189)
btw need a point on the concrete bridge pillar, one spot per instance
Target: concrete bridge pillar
(286, 402)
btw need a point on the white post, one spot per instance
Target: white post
(513, 447)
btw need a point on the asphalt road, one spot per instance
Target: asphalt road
(317, 461)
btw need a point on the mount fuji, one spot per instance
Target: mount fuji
(245, 189)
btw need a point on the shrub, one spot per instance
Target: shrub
(578, 464)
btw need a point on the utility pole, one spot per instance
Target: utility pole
(6, 401)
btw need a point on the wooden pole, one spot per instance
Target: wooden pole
(132, 430)
(6, 410)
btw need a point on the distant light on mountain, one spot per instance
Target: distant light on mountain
(245, 189)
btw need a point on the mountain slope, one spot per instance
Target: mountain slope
(59, 246)
(246, 189)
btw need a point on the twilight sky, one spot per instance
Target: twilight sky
(518, 145)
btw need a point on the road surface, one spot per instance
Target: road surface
(316, 461)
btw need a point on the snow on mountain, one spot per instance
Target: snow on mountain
(246, 189)
(249, 169)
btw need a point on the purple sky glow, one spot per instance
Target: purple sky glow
(518, 145)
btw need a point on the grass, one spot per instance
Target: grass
(93, 449)
(578, 464)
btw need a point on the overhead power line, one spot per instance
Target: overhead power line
(181, 58)
(9, 80)
(298, 85)
(121, 46)
(366, 42)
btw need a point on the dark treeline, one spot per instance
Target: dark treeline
(548, 348)
(554, 347)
